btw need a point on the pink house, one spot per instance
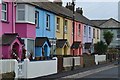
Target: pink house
(16, 19)
(78, 34)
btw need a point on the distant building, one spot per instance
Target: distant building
(109, 25)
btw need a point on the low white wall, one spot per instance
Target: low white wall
(100, 58)
(39, 68)
(67, 61)
(9, 65)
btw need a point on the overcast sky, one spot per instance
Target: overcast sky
(98, 9)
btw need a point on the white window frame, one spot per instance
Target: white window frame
(37, 19)
(4, 11)
(79, 26)
(89, 32)
(58, 24)
(65, 26)
(47, 21)
(97, 34)
(26, 15)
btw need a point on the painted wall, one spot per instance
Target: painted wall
(7, 50)
(25, 30)
(0, 23)
(86, 36)
(8, 26)
(41, 31)
(77, 37)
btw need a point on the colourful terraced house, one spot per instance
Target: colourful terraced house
(45, 30)
(16, 19)
(8, 38)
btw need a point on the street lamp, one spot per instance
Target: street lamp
(73, 6)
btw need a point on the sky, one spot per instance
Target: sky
(98, 9)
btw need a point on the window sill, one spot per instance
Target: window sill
(5, 21)
(47, 29)
(57, 31)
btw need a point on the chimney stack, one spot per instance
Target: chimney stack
(69, 6)
(79, 10)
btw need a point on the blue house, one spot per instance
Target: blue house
(42, 47)
(45, 25)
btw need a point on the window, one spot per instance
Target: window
(4, 11)
(89, 31)
(58, 24)
(93, 33)
(21, 12)
(25, 13)
(118, 33)
(84, 30)
(79, 29)
(37, 19)
(65, 26)
(97, 34)
(48, 22)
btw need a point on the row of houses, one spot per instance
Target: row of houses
(45, 29)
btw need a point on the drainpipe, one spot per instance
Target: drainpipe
(13, 18)
(63, 28)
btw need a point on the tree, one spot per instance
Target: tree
(108, 36)
(100, 47)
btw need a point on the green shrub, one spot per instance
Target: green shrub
(8, 76)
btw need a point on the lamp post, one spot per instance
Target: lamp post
(73, 6)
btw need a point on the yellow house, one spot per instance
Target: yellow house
(63, 35)
(96, 35)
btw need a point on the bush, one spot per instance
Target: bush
(9, 75)
(100, 48)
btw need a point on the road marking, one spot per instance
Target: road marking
(89, 72)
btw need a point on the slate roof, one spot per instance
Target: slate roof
(62, 11)
(8, 38)
(39, 41)
(100, 22)
(76, 45)
(61, 42)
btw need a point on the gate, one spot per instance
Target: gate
(20, 70)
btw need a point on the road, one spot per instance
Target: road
(112, 72)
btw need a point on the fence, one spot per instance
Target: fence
(100, 58)
(29, 69)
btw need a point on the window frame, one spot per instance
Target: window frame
(58, 24)
(79, 26)
(93, 32)
(97, 34)
(47, 22)
(65, 26)
(4, 11)
(37, 19)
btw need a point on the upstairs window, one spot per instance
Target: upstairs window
(85, 31)
(25, 13)
(79, 29)
(93, 33)
(21, 12)
(89, 32)
(58, 24)
(4, 11)
(97, 34)
(48, 22)
(65, 26)
(37, 19)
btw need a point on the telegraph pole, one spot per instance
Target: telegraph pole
(73, 25)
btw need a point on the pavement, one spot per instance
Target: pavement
(66, 75)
